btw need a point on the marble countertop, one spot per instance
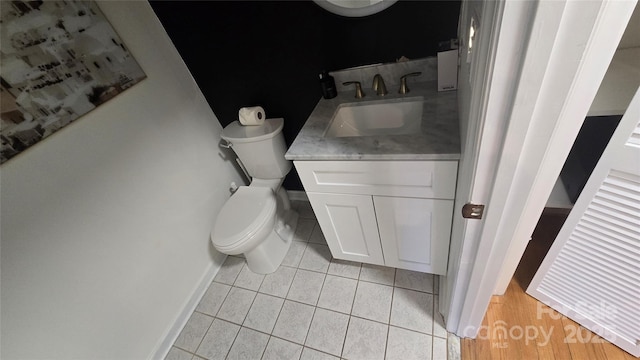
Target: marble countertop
(438, 139)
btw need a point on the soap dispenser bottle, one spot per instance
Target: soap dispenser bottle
(328, 85)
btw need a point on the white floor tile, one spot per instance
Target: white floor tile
(218, 341)
(293, 322)
(278, 282)
(366, 340)
(294, 254)
(213, 298)
(414, 280)
(304, 229)
(278, 349)
(354, 302)
(317, 236)
(178, 354)
(247, 279)
(344, 268)
(377, 274)
(193, 332)
(229, 270)
(327, 332)
(311, 354)
(412, 310)
(439, 349)
(306, 287)
(263, 313)
(438, 320)
(316, 258)
(236, 305)
(373, 301)
(405, 344)
(337, 294)
(304, 210)
(249, 344)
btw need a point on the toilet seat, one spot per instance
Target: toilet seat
(243, 216)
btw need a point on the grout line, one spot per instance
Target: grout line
(252, 302)
(386, 343)
(344, 342)
(309, 328)
(432, 347)
(433, 316)
(320, 351)
(446, 343)
(277, 317)
(234, 338)
(265, 346)
(393, 293)
(178, 347)
(291, 285)
(203, 336)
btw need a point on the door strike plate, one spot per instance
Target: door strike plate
(472, 211)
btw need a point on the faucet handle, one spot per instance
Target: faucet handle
(359, 93)
(403, 82)
(378, 85)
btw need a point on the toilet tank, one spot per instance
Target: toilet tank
(260, 148)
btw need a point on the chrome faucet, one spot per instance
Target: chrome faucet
(379, 86)
(403, 82)
(359, 93)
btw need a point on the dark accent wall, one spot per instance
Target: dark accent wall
(269, 53)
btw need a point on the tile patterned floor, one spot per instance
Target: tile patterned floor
(315, 307)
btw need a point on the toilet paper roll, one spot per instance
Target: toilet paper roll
(251, 115)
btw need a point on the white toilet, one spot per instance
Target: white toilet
(257, 220)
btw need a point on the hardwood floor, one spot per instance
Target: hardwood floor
(517, 326)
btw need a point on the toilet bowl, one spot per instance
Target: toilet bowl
(257, 220)
(254, 222)
(245, 219)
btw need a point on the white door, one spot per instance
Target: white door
(415, 233)
(592, 272)
(349, 225)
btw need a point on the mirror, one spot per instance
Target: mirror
(354, 8)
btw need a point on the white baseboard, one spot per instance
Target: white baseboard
(297, 195)
(165, 345)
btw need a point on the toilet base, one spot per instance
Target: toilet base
(267, 257)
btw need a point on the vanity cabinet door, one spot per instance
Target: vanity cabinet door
(348, 223)
(415, 233)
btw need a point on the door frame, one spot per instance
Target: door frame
(566, 54)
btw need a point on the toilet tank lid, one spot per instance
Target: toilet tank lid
(235, 132)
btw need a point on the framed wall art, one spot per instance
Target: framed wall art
(58, 61)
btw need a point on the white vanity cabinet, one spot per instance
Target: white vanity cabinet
(392, 213)
(349, 224)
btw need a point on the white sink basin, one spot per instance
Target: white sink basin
(379, 118)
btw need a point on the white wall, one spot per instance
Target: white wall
(105, 225)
